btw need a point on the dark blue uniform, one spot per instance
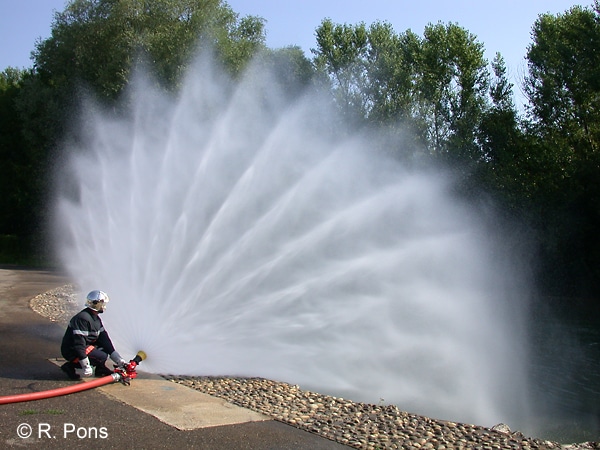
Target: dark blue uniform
(85, 329)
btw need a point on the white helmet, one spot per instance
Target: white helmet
(97, 300)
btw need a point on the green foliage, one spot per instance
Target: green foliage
(502, 142)
(30, 412)
(563, 88)
(435, 85)
(340, 54)
(390, 64)
(452, 89)
(18, 187)
(291, 68)
(98, 42)
(243, 42)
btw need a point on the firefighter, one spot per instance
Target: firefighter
(86, 345)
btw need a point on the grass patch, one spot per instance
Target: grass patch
(31, 412)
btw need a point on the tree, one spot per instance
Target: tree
(98, 42)
(13, 170)
(95, 44)
(435, 85)
(506, 163)
(291, 68)
(564, 78)
(22, 173)
(340, 54)
(390, 66)
(452, 90)
(563, 87)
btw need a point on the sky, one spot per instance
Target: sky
(502, 26)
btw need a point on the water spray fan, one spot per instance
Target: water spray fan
(128, 372)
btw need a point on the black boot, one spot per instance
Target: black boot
(69, 369)
(102, 371)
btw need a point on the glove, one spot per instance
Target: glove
(118, 359)
(86, 370)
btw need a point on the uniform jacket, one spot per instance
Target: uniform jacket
(85, 329)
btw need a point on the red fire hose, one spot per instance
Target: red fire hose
(60, 391)
(125, 375)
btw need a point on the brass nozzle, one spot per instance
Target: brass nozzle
(141, 354)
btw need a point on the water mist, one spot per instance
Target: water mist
(236, 236)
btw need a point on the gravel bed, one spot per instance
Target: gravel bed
(358, 425)
(59, 304)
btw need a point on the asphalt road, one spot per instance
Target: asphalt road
(91, 418)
